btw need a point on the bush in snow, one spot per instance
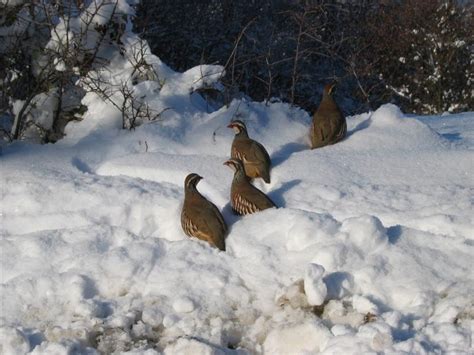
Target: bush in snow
(418, 54)
(424, 53)
(46, 47)
(269, 48)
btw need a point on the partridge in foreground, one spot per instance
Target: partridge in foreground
(329, 125)
(252, 154)
(199, 217)
(244, 197)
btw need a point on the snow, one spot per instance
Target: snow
(314, 286)
(183, 305)
(370, 250)
(310, 336)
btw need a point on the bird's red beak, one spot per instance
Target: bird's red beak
(230, 125)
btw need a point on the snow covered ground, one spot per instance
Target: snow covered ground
(379, 226)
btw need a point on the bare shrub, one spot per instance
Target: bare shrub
(45, 48)
(425, 52)
(289, 49)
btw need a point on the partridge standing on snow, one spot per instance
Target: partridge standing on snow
(252, 154)
(199, 217)
(329, 125)
(244, 197)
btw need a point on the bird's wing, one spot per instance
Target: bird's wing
(237, 150)
(258, 198)
(341, 130)
(243, 205)
(257, 154)
(211, 224)
(321, 127)
(218, 216)
(188, 224)
(265, 201)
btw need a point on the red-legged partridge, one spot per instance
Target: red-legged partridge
(199, 217)
(244, 197)
(253, 155)
(329, 125)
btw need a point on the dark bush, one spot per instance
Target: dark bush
(289, 49)
(425, 54)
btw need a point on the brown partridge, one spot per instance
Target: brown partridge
(244, 197)
(199, 217)
(329, 125)
(253, 155)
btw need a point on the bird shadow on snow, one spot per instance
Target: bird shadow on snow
(230, 216)
(81, 165)
(360, 126)
(335, 281)
(394, 233)
(452, 137)
(35, 337)
(277, 194)
(282, 154)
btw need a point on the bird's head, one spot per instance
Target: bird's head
(235, 164)
(238, 126)
(191, 181)
(330, 88)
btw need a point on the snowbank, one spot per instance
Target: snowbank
(370, 251)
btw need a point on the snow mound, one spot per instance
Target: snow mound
(388, 115)
(369, 250)
(388, 128)
(366, 232)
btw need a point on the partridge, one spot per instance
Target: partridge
(252, 154)
(329, 125)
(244, 197)
(199, 217)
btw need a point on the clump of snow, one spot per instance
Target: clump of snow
(309, 337)
(192, 346)
(152, 316)
(314, 285)
(14, 341)
(366, 233)
(183, 305)
(378, 334)
(363, 305)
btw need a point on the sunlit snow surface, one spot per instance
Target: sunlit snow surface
(380, 226)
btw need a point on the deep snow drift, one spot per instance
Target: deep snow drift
(371, 251)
